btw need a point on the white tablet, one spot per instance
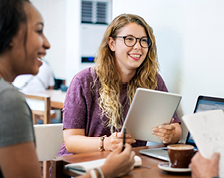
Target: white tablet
(149, 108)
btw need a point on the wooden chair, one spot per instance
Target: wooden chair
(40, 105)
(49, 138)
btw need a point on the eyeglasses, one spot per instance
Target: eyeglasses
(130, 41)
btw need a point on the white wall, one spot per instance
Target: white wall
(72, 53)
(190, 42)
(53, 12)
(62, 28)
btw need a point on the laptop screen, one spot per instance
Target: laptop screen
(205, 103)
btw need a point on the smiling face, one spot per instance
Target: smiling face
(128, 59)
(25, 57)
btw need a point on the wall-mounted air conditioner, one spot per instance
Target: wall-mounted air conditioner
(95, 17)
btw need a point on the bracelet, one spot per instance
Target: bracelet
(100, 173)
(101, 147)
(93, 174)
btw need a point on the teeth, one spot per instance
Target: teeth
(135, 56)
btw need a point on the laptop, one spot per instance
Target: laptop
(204, 103)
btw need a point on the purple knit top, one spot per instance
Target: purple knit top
(81, 109)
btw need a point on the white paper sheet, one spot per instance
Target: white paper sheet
(207, 129)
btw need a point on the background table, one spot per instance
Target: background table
(57, 98)
(58, 170)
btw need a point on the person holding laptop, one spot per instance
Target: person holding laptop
(99, 97)
(22, 43)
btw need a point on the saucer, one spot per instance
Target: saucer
(166, 167)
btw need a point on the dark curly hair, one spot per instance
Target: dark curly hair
(12, 14)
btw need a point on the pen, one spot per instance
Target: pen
(124, 137)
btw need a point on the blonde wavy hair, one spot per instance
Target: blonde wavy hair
(110, 84)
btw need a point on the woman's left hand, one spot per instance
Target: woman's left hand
(165, 132)
(168, 133)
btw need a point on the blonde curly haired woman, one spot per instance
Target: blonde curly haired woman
(98, 98)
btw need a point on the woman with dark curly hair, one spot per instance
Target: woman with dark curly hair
(22, 43)
(99, 97)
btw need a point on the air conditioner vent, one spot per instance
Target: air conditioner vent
(87, 7)
(101, 12)
(94, 12)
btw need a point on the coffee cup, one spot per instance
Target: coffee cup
(180, 155)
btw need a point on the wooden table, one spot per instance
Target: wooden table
(58, 164)
(57, 98)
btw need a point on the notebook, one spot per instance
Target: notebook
(149, 108)
(83, 167)
(204, 103)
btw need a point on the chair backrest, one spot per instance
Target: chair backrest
(40, 104)
(49, 138)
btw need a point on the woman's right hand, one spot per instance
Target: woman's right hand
(119, 162)
(112, 142)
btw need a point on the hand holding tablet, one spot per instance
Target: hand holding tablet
(149, 109)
